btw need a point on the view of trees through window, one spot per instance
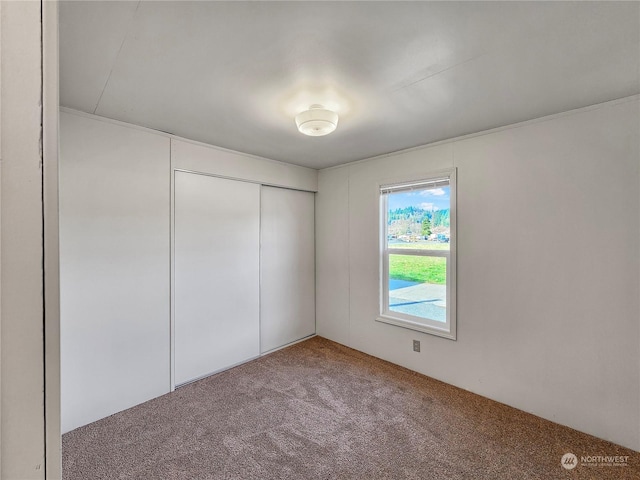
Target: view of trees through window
(418, 220)
(416, 225)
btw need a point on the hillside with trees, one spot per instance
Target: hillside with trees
(414, 223)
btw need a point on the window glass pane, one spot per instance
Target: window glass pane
(418, 286)
(419, 219)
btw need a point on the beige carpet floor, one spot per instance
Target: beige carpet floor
(318, 410)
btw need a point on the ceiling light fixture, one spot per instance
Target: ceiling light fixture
(317, 121)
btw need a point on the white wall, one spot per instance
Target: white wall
(332, 255)
(114, 264)
(548, 278)
(22, 426)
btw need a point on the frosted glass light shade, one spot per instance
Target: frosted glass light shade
(317, 121)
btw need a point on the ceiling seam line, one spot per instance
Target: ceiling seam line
(427, 77)
(115, 61)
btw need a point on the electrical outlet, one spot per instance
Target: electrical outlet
(416, 345)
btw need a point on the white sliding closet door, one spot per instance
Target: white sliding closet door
(287, 266)
(217, 232)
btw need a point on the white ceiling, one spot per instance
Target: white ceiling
(400, 74)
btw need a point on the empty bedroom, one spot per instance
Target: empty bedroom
(322, 240)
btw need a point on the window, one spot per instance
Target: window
(418, 260)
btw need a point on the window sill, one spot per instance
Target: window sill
(400, 322)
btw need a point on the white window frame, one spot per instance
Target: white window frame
(448, 330)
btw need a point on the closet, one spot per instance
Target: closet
(177, 260)
(244, 271)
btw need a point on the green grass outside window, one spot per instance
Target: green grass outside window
(418, 269)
